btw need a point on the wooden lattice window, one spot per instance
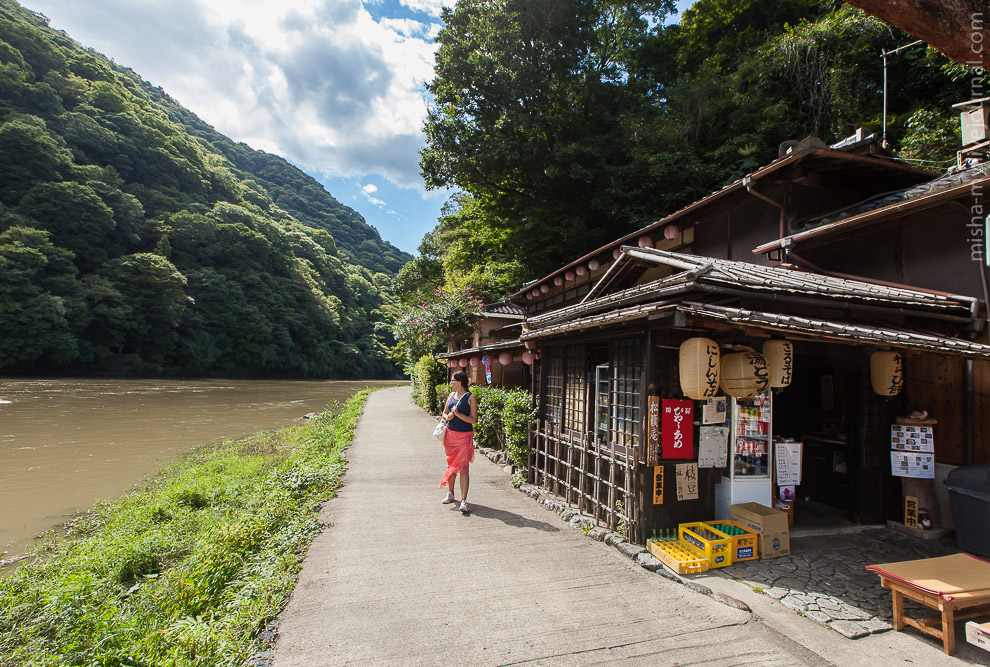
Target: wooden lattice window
(626, 378)
(575, 392)
(555, 387)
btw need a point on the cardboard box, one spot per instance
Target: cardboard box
(771, 524)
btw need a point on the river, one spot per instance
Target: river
(67, 443)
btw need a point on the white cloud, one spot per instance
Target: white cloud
(369, 189)
(320, 82)
(431, 7)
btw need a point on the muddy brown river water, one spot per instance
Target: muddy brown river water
(67, 443)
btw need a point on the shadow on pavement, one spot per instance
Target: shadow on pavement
(509, 518)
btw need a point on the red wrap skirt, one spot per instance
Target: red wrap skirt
(459, 446)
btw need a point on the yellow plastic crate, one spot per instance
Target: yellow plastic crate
(678, 557)
(744, 540)
(714, 545)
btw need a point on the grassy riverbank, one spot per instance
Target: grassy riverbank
(188, 570)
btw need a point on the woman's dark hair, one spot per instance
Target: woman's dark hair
(461, 377)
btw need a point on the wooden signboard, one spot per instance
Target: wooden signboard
(653, 430)
(910, 511)
(658, 485)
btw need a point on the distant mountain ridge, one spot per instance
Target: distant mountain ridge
(135, 239)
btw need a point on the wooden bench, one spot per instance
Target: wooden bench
(956, 586)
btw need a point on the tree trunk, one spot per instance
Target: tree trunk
(957, 28)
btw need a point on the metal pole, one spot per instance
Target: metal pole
(883, 135)
(884, 54)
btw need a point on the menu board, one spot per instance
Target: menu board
(912, 438)
(788, 457)
(713, 446)
(912, 464)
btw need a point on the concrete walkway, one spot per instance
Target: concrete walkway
(399, 579)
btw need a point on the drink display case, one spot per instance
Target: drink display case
(747, 477)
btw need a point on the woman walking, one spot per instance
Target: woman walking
(460, 413)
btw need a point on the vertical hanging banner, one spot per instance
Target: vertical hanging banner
(687, 481)
(487, 361)
(677, 429)
(658, 485)
(652, 430)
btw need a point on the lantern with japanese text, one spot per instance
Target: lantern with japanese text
(699, 368)
(505, 358)
(887, 372)
(744, 374)
(780, 362)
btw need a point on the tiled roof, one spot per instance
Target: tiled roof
(503, 308)
(698, 274)
(812, 328)
(843, 331)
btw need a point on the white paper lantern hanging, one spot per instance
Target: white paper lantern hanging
(528, 358)
(474, 361)
(699, 368)
(558, 281)
(616, 253)
(744, 374)
(671, 232)
(887, 372)
(780, 362)
(569, 276)
(581, 270)
(544, 288)
(594, 264)
(505, 358)
(462, 362)
(645, 242)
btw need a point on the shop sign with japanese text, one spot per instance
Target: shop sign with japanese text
(677, 429)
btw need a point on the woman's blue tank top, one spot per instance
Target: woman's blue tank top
(464, 407)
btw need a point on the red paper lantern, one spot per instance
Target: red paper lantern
(505, 358)
(569, 276)
(581, 269)
(594, 264)
(529, 296)
(528, 358)
(645, 242)
(616, 253)
(671, 231)
(475, 361)
(462, 362)
(558, 281)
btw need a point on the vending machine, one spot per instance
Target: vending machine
(747, 477)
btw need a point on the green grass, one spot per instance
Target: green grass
(187, 570)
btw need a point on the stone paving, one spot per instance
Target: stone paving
(824, 577)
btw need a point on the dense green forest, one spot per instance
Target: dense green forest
(135, 239)
(564, 124)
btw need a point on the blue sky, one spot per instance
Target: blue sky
(337, 87)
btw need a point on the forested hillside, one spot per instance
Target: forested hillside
(136, 239)
(564, 124)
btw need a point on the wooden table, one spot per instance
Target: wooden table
(956, 586)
